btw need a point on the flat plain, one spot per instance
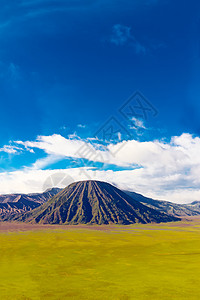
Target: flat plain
(100, 262)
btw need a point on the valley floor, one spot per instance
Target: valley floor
(100, 262)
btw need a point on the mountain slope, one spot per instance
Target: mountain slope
(14, 204)
(173, 209)
(93, 202)
(195, 205)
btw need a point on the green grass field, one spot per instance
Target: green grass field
(118, 262)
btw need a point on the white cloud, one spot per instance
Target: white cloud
(13, 72)
(121, 35)
(10, 149)
(45, 162)
(10, 72)
(63, 127)
(137, 124)
(159, 169)
(59, 147)
(81, 126)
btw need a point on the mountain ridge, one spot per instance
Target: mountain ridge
(93, 202)
(12, 205)
(173, 209)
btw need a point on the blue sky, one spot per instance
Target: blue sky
(66, 67)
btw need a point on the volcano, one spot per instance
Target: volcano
(94, 202)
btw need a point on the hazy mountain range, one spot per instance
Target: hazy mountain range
(173, 209)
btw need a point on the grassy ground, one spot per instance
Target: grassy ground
(119, 262)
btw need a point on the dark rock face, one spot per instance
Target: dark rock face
(94, 202)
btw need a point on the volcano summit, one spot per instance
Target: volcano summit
(93, 202)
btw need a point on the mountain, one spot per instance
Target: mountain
(14, 204)
(172, 209)
(195, 205)
(93, 202)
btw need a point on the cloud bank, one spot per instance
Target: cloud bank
(159, 169)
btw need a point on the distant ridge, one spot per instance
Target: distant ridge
(93, 202)
(12, 205)
(172, 209)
